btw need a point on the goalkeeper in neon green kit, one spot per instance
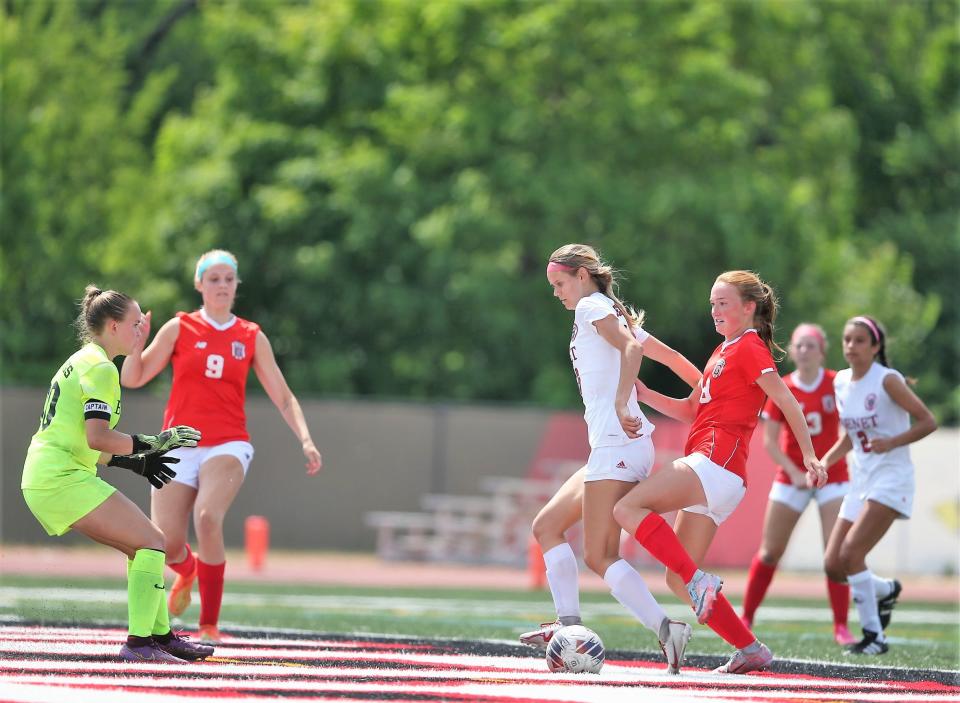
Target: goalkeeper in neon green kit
(60, 482)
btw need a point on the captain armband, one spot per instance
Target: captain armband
(95, 409)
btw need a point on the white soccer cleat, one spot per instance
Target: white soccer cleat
(703, 589)
(743, 663)
(675, 645)
(542, 636)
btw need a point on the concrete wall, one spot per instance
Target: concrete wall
(377, 456)
(385, 456)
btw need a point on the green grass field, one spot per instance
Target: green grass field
(923, 635)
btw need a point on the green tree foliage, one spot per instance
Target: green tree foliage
(393, 175)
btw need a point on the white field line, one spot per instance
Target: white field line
(11, 597)
(500, 677)
(499, 689)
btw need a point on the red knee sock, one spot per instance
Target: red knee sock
(210, 582)
(839, 601)
(758, 581)
(725, 622)
(655, 535)
(185, 567)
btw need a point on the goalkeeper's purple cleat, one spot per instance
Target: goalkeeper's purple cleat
(148, 654)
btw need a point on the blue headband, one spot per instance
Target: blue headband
(220, 257)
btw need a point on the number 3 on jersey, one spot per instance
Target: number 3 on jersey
(214, 366)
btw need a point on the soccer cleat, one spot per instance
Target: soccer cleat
(676, 643)
(209, 634)
(886, 605)
(703, 589)
(743, 663)
(148, 653)
(180, 593)
(869, 644)
(842, 635)
(541, 637)
(179, 646)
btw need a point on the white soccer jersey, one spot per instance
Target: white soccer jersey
(867, 412)
(596, 365)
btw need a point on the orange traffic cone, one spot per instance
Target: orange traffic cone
(536, 568)
(256, 530)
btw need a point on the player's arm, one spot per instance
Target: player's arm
(771, 442)
(631, 354)
(141, 365)
(682, 409)
(654, 349)
(839, 449)
(273, 382)
(771, 384)
(923, 420)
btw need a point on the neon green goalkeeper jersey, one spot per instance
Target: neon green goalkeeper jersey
(86, 386)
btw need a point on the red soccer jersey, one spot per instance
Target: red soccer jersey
(820, 409)
(730, 402)
(210, 368)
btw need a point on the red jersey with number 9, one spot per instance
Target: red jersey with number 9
(820, 410)
(730, 402)
(210, 369)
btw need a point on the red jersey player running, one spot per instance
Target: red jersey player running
(212, 351)
(812, 386)
(708, 483)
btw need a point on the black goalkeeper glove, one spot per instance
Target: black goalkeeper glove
(179, 436)
(153, 466)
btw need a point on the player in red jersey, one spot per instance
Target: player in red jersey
(812, 386)
(211, 351)
(708, 483)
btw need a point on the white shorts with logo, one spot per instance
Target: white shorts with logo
(626, 462)
(191, 458)
(893, 488)
(797, 498)
(724, 489)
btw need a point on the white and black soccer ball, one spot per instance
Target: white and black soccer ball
(575, 649)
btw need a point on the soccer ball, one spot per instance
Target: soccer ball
(575, 649)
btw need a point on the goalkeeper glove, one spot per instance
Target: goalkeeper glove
(153, 466)
(179, 436)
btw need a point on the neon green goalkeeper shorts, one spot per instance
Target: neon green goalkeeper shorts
(58, 508)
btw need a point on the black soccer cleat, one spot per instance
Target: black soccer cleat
(886, 605)
(868, 645)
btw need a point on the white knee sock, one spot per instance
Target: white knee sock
(562, 577)
(629, 588)
(865, 597)
(883, 587)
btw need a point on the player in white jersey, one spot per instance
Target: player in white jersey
(606, 348)
(875, 406)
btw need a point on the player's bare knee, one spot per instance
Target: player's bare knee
(625, 514)
(208, 522)
(770, 557)
(544, 529)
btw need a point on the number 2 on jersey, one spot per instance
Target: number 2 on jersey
(864, 441)
(214, 366)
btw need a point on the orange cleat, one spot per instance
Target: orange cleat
(180, 593)
(209, 634)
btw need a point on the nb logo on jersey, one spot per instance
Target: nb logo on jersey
(200, 345)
